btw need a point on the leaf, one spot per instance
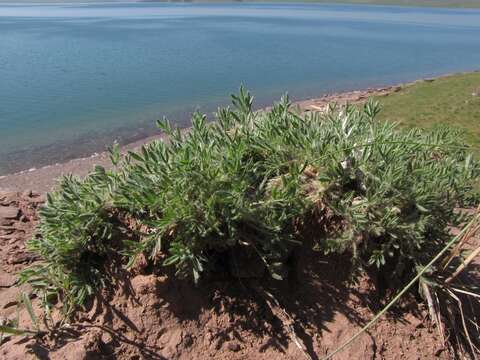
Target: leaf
(135, 156)
(171, 260)
(276, 276)
(114, 152)
(28, 304)
(12, 330)
(421, 208)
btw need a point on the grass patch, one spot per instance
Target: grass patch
(446, 101)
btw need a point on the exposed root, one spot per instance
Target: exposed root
(464, 333)
(463, 265)
(433, 310)
(473, 348)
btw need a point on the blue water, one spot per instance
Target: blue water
(75, 77)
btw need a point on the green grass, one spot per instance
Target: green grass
(444, 101)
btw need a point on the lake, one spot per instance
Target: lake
(75, 77)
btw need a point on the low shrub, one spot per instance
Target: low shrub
(251, 182)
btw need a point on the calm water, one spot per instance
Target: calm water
(74, 77)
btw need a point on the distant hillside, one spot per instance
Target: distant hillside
(418, 3)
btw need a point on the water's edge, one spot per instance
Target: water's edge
(43, 178)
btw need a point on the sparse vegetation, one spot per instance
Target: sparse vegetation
(251, 182)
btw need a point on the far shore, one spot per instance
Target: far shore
(447, 4)
(43, 179)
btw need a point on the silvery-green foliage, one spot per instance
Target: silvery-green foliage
(252, 180)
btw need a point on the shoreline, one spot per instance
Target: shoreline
(44, 178)
(454, 5)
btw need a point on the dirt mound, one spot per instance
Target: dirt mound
(154, 316)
